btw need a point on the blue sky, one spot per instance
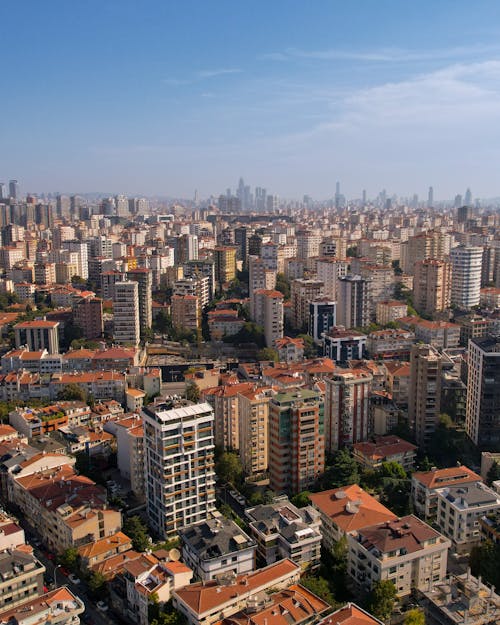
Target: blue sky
(162, 97)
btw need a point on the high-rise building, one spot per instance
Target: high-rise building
(322, 317)
(296, 440)
(347, 406)
(432, 286)
(144, 279)
(83, 256)
(466, 263)
(424, 397)
(127, 329)
(302, 292)
(308, 243)
(187, 248)
(186, 313)
(329, 270)
(353, 309)
(268, 308)
(464, 213)
(431, 244)
(258, 278)
(241, 235)
(3, 191)
(87, 315)
(14, 189)
(430, 197)
(482, 419)
(179, 464)
(468, 198)
(225, 264)
(253, 413)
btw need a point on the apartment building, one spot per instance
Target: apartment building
(389, 311)
(283, 531)
(296, 440)
(406, 551)
(424, 485)
(268, 311)
(253, 418)
(342, 345)
(439, 334)
(21, 577)
(38, 335)
(225, 401)
(126, 320)
(432, 286)
(346, 509)
(347, 410)
(390, 344)
(217, 546)
(466, 263)
(301, 294)
(179, 464)
(186, 312)
(459, 511)
(373, 453)
(57, 607)
(129, 433)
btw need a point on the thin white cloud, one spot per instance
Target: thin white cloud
(213, 73)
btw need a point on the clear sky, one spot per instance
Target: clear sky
(165, 96)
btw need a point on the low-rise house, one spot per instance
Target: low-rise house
(104, 548)
(109, 384)
(373, 453)
(459, 511)
(282, 530)
(389, 344)
(21, 577)
(459, 600)
(217, 546)
(439, 334)
(346, 509)
(350, 614)
(11, 534)
(425, 483)
(406, 551)
(295, 605)
(134, 398)
(490, 527)
(289, 349)
(57, 607)
(203, 603)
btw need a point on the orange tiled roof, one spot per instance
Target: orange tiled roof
(446, 477)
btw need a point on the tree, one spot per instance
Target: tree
(352, 252)
(320, 587)
(167, 615)
(382, 598)
(162, 323)
(147, 335)
(483, 561)
(342, 472)
(137, 531)
(97, 584)
(493, 474)
(283, 285)
(310, 347)
(228, 467)
(72, 392)
(69, 558)
(268, 353)
(192, 391)
(414, 617)
(393, 470)
(301, 499)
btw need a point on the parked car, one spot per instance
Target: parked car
(102, 606)
(73, 578)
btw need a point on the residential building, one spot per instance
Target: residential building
(424, 398)
(38, 335)
(460, 599)
(329, 270)
(342, 345)
(198, 285)
(439, 334)
(225, 401)
(144, 279)
(347, 414)
(284, 531)
(225, 264)
(203, 603)
(57, 607)
(289, 350)
(308, 243)
(129, 433)
(302, 293)
(473, 327)
(424, 485)
(490, 297)
(432, 286)
(98, 551)
(87, 315)
(179, 464)
(345, 509)
(406, 551)
(322, 317)
(253, 426)
(217, 546)
(21, 577)
(350, 614)
(390, 310)
(258, 278)
(379, 449)
(390, 344)
(466, 276)
(353, 310)
(296, 440)
(459, 511)
(269, 314)
(186, 313)
(430, 244)
(482, 420)
(126, 321)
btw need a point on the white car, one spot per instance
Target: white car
(102, 606)
(73, 578)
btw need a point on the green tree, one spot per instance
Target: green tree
(97, 584)
(414, 617)
(352, 252)
(301, 499)
(483, 561)
(493, 474)
(72, 392)
(320, 587)
(393, 470)
(342, 472)
(137, 531)
(310, 347)
(162, 323)
(268, 353)
(192, 391)
(147, 335)
(228, 467)
(70, 558)
(382, 599)
(283, 285)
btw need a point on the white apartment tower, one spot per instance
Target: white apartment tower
(466, 264)
(126, 313)
(179, 464)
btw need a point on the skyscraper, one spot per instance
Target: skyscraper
(482, 420)
(225, 264)
(430, 197)
(468, 198)
(3, 191)
(424, 401)
(179, 464)
(14, 189)
(432, 286)
(126, 313)
(353, 302)
(144, 279)
(466, 264)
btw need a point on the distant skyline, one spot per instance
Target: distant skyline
(162, 98)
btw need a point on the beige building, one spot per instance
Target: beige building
(268, 309)
(129, 433)
(254, 429)
(57, 607)
(21, 577)
(432, 286)
(302, 292)
(259, 277)
(431, 244)
(186, 312)
(126, 323)
(390, 310)
(225, 264)
(225, 402)
(406, 551)
(37, 335)
(329, 270)
(424, 400)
